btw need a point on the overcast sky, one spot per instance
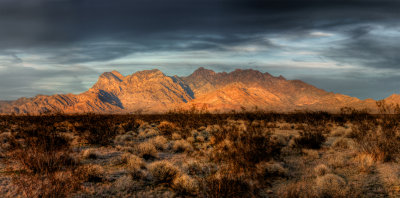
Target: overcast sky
(61, 46)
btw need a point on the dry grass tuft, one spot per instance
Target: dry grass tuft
(147, 150)
(176, 136)
(185, 185)
(321, 170)
(90, 154)
(310, 138)
(340, 131)
(341, 143)
(160, 142)
(269, 170)
(147, 133)
(119, 139)
(182, 146)
(366, 162)
(300, 189)
(92, 173)
(167, 128)
(331, 185)
(133, 162)
(124, 184)
(195, 167)
(163, 172)
(226, 185)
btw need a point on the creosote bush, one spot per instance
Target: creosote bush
(226, 185)
(310, 138)
(41, 151)
(167, 128)
(47, 168)
(380, 137)
(243, 150)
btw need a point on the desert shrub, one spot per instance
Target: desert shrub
(41, 151)
(5, 137)
(56, 184)
(341, 143)
(321, 170)
(123, 184)
(190, 140)
(176, 136)
(91, 173)
(380, 137)
(365, 162)
(147, 150)
(299, 189)
(163, 172)
(185, 185)
(286, 126)
(268, 170)
(243, 150)
(181, 146)
(98, 131)
(132, 124)
(200, 139)
(159, 142)
(310, 153)
(195, 168)
(225, 185)
(330, 185)
(43, 163)
(90, 154)
(339, 160)
(380, 141)
(123, 138)
(341, 131)
(167, 128)
(311, 138)
(147, 133)
(134, 161)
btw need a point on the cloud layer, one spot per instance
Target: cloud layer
(60, 46)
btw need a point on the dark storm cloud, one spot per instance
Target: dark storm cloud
(66, 22)
(368, 49)
(73, 32)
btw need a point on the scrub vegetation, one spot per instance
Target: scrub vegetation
(199, 154)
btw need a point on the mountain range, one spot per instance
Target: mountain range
(151, 91)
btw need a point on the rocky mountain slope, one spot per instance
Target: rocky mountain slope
(152, 91)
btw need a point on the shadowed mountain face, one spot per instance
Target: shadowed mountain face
(152, 91)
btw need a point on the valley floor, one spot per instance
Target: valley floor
(246, 155)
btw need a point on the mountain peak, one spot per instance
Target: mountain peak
(117, 74)
(151, 90)
(114, 75)
(246, 72)
(201, 71)
(149, 72)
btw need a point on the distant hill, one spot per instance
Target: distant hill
(151, 91)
